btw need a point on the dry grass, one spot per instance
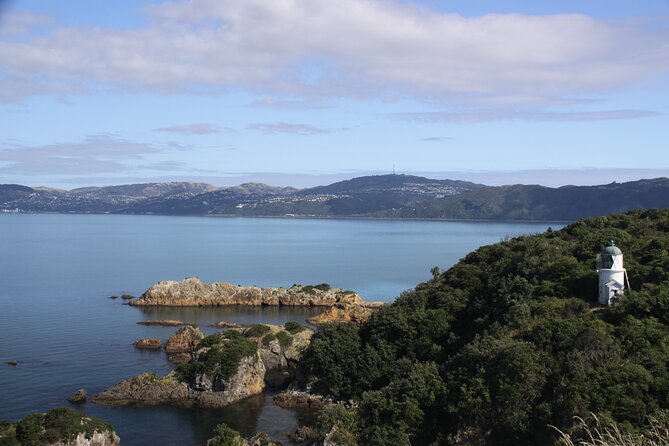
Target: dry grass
(656, 433)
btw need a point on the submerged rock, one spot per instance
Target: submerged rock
(150, 344)
(184, 340)
(78, 397)
(165, 322)
(126, 296)
(192, 292)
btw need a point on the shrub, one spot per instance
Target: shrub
(256, 331)
(285, 340)
(222, 360)
(225, 436)
(294, 327)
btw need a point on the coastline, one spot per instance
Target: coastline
(302, 217)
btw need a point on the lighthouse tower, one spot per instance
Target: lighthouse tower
(611, 274)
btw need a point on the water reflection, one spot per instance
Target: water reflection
(205, 316)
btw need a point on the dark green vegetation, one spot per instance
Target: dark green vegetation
(294, 327)
(527, 202)
(396, 196)
(285, 340)
(221, 361)
(509, 341)
(310, 289)
(225, 436)
(61, 424)
(256, 331)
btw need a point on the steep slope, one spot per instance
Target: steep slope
(511, 341)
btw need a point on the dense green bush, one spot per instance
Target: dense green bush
(226, 436)
(256, 331)
(509, 341)
(294, 327)
(222, 359)
(58, 425)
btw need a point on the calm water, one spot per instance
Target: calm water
(56, 272)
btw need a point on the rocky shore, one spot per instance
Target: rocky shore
(149, 389)
(192, 292)
(59, 427)
(219, 369)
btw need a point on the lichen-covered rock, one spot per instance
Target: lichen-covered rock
(78, 397)
(150, 344)
(179, 358)
(192, 292)
(263, 439)
(357, 314)
(280, 351)
(184, 340)
(291, 399)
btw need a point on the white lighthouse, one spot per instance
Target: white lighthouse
(612, 274)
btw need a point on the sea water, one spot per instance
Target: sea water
(57, 320)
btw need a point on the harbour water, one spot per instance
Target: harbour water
(58, 271)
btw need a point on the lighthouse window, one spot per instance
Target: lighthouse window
(604, 261)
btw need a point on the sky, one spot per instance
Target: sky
(307, 92)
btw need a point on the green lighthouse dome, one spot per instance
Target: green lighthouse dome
(612, 250)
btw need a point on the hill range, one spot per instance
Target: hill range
(382, 196)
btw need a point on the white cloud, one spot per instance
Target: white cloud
(320, 48)
(478, 116)
(287, 128)
(101, 153)
(202, 128)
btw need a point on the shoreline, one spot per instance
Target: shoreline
(303, 217)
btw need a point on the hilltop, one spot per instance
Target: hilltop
(510, 341)
(381, 196)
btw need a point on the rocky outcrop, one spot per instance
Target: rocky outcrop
(165, 323)
(280, 350)
(78, 397)
(184, 340)
(62, 426)
(225, 436)
(291, 399)
(149, 389)
(150, 344)
(357, 314)
(192, 292)
(12, 362)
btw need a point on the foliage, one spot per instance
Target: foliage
(597, 433)
(311, 289)
(222, 359)
(256, 331)
(294, 327)
(509, 341)
(285, 340)
(226, 436)
(336, 414)
(58, 425)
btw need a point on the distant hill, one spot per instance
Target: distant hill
(381, 196)
(531, 202)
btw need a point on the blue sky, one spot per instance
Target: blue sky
(305, 92)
